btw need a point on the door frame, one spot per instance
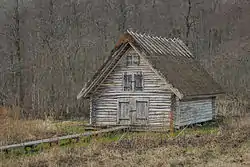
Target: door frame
(124, 100)
(142, 99)
(132, 109)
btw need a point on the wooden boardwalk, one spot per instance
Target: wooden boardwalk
(57, 139)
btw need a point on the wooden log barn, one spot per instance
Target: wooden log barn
(150, 81)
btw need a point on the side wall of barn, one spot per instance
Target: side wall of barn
(194, 111)
(104, 102)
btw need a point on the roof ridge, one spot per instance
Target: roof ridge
(161, 45)
(149, 34)
(171, 57)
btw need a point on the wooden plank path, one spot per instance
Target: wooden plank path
(57, 139)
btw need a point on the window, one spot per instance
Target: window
(133, 82)
(129, 60)
(133, 59)
(138, 81)
(127, 82)
(136, 60)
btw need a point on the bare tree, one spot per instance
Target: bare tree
(49, 49)
(188, 22)
(122, 16)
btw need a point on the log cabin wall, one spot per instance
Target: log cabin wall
(105, 99)
(194, 111)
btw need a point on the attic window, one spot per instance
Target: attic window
(136, 60)
(133, 59)
(129, 60)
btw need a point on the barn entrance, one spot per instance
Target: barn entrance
(133, 111)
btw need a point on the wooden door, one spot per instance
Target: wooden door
(132, 111)
(123, 116)
(141, 110)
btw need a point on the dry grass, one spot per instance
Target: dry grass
(228, 145)
(15, 130)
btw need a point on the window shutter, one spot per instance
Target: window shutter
(138, 81)
(127, 80)
(141, 109)
(124, 110)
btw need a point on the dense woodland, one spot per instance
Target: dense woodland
(50, 48)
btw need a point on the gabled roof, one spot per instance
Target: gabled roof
(170, 57)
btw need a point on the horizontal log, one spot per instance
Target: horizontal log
(149, 94)
(112, 108)
(187, 121)
(158, 112)
(106, 113)
(166, 107)
(158, 121)
(107, 103)
(102, 120)
(157, 109)
(190, 123)
(184, 115)
(112, 117)
(158, 124)
(57, 139)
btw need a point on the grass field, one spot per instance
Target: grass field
(224, 143)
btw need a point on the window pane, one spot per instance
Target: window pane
(132, 60)
(136, 60)
(138, 81)
(127, 82)
(129, 60)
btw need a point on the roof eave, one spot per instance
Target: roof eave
(190, 97)
(93, 82)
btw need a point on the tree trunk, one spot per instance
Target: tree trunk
(19, 57)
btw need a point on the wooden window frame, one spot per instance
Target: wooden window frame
(129, 60)
(132, 85)
(133, 60)
(136, 60)
(139, 89)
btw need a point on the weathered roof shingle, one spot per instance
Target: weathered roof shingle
(171, 58)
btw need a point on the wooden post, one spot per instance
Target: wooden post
(171, 117)
(171, 123)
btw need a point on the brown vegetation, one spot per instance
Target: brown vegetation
(3, 113)
(225, 145)
(15, 130)
(49, 49)
(229, 146)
